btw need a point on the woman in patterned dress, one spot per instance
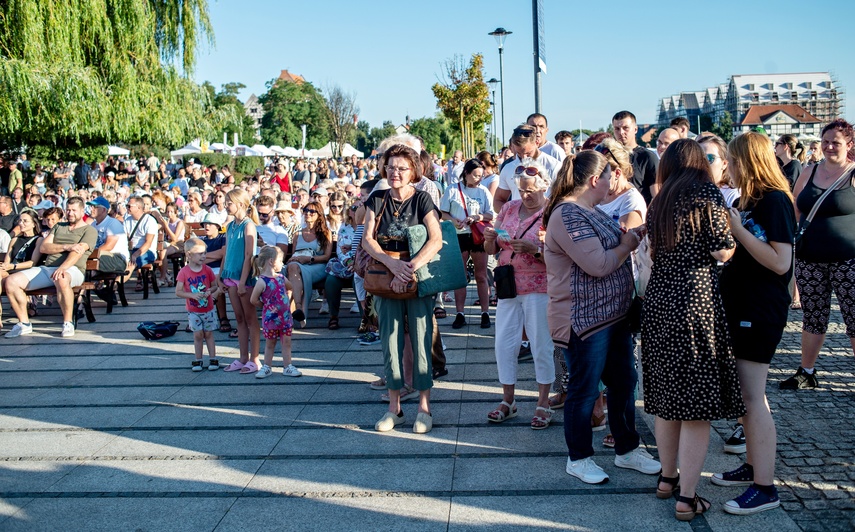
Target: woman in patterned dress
(689, 371)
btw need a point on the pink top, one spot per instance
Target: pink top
(195, 282)
(529, 273)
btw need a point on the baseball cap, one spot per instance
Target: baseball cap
(320, 191)
(99, 201)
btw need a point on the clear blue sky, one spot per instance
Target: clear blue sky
(601, 56)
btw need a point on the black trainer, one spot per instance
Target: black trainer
(736, 443)
(800, 381)
(485, 320)
(525, 353)
(459, 321)
(741, 476)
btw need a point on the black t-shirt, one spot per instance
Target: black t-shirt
(750, 291)
(213, 244)
(644, 166)
(392, 230)
(7, 223)
(791, 171)
(22, 248)
(198, 183)
(4, 176)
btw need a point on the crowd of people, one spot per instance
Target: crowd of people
(586, 252)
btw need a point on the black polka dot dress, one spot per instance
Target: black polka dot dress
(688, 365)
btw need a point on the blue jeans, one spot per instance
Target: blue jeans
(607, 356)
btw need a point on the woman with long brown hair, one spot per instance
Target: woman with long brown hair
(791, 153)
(312, 250)
(689, 371)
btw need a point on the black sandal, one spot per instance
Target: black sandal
(233, 334)
(225, 325)
(673, 482)
(333, 324)
(699, 506)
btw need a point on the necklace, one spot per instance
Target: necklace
(397, 211)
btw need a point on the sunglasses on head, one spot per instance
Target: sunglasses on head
(599, 148)
(530, 171)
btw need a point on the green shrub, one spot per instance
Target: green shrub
(248, 164)
(220, 159)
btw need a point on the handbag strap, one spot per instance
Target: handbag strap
(462, 199)
(828, 191)
(380, 215)
(516, 237)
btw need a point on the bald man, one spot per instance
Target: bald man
(666, 137)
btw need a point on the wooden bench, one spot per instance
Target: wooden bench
(80, 292)
(148, 273)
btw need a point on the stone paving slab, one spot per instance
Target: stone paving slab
(72, 417)
(193, 442)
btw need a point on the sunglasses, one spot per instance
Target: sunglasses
(264, 215)
(530, 171)
(599, 148)
(779, 143)
(711, 157)
(310, 211)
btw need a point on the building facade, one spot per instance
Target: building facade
(818, 94)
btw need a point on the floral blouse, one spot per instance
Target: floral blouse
(529, 273)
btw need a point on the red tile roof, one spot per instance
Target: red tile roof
(757, 114)
(292, 78)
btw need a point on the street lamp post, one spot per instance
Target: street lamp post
(492, 82)
(500, 34)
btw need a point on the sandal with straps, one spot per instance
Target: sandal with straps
(497, 416)
(673, 482)
(699, 506)
(541, 422)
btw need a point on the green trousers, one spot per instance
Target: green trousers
(397, 317)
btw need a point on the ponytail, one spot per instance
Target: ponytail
(572, 177)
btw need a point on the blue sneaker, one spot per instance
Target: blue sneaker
(742, 476)
(752, 501)
(369, 338)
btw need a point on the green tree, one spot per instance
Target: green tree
(287, 106)
(724, 128)
(379, 133)
(435, 132)
(340, 110)
(99, 71)
(232, 113)
(363, 130)
(464, 99)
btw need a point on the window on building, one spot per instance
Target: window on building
(253, 110)
(795, 127)
(751, 86)
(813, 95)
(788, 85)
(755, 97)
(794, 95)
(808, 85)
(774, 96)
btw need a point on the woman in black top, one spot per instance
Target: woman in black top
(24, 248)
(398, 208)
(791, 153)
(755, 292)
(825, 258)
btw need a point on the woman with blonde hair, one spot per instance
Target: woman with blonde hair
(716, 151)
(236, 278)
(755, 292)
(589, 283)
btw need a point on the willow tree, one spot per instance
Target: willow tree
(464, 99)
(89, 72)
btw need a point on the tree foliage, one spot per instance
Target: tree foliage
(435, 132)
(464, 99)
(231, 113)
(86, 73)
(289, 105)
(340, 110)
(724, 128)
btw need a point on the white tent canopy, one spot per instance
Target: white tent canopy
(278, 150)
(190, 149)
(263, 150)
(328, 151)
(242, 149)
(220, 147)
(291, 152)
(115, 150)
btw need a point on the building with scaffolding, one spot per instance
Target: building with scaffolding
(819, 95)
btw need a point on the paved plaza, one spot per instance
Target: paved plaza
(106, 431)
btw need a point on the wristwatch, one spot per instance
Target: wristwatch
(538, 255)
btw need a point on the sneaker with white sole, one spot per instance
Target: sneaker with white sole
(291, 371)
(369, 338)
(67, 329)
(741, 476)
(214, 365)
(196, 365)
(263, 372)
(753, 501)
(325, 308)
(736, 443)
(587, 471)
(20, 329)
(639, 460)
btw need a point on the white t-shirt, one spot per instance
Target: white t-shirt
(147, 226)
(110, 227)
(550, 148)
(730, 195)
(508, 181)
(272, 234)
(452, 176)
(629, 201)
(5, 239)
(478, 201)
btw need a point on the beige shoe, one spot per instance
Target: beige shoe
(388, 422)
(423, 424)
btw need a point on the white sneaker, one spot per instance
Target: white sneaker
(640, 460)
(67, 329)
(587, 471)
(354, 309)
(20, 329)
(325, 308)
(316, 296)
(291, 371)
(264, 372)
